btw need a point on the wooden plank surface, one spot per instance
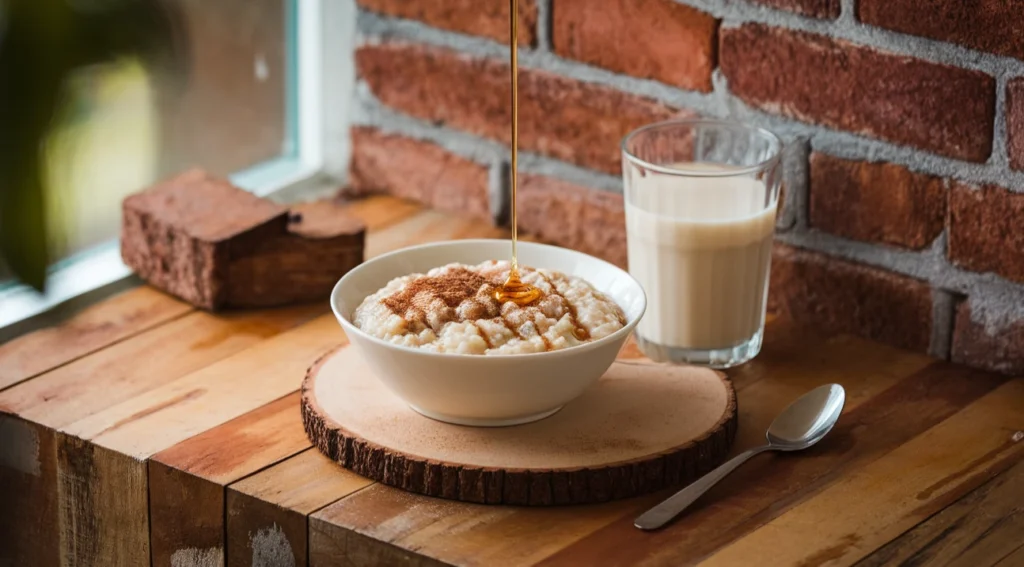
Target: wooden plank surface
(89, 330)
(146, 361)
(187, 481)
(267, 512)
(29, 532)
(55, 400)
(881, 500)
(175, 437)
(985, 527)
(866, 369)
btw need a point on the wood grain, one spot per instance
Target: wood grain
(29, 531)
(139, 427)
(574, 456)
(77, 390)
(768, 486)
(925, 466)
(89, 330)
(428, 226)
(100, 496)
(381, 211)
(395, 527)
(985, 527)
(267, 512)
(187, 482)
(144, 362)
(801, 362)
(178, 409)
(881, 500)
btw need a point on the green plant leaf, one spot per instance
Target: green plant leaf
(42, 42)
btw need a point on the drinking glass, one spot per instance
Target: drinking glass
(700, 199)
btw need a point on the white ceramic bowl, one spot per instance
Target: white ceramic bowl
(481, 389)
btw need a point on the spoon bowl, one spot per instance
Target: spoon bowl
(802, 424)
(805, 421)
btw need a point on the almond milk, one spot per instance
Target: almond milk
(701, 248)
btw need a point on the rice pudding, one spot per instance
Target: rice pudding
(452, 309)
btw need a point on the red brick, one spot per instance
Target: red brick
(576, 217)
(985, 230)
(939, 108)
(488, 18)
(837, 296)
(876, 202)
(1015, 122)
(417, 171)
(651, 39)
(986, 25)
(825, 9)
(567, 119)
(1000, 349)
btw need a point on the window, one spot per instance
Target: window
(249, 107)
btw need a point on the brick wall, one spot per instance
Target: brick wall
(904, 212)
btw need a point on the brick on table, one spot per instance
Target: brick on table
(997, 346)
(934, 107)
(876, 202)
(843, 297)
(985, 230)
(418, 171)
(824, 9)
(571, 120)
(1015, 122)
(573, 216)
(986, 26)
(214, 245)
(488, 18)
(651, 39)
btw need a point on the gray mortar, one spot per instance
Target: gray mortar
(793, 214)
(721, 103)
(994, 301)
(736, 12)
(943, 303)
(497, 192)
(1000, 156)
(370, 112)
(847, 11)
(545, 25)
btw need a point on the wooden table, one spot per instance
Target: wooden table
(143, 430)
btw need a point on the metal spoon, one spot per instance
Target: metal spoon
(799, 426)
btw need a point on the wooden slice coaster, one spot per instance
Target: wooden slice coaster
(641, 428)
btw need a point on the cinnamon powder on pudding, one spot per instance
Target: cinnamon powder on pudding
(453, 309)
(451, 287)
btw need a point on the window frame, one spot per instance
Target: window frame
(321, 36)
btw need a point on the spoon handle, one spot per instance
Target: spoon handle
(662, 513)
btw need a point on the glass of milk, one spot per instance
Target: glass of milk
(700, 198)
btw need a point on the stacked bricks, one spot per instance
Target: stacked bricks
(903, 219)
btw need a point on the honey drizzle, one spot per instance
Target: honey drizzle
(483, 335)
(578, 330)
(515, 289)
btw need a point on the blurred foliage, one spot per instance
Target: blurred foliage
(43, 43)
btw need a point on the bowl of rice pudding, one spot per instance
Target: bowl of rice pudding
(427, 323)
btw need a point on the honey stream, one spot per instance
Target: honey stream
(515, 289)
